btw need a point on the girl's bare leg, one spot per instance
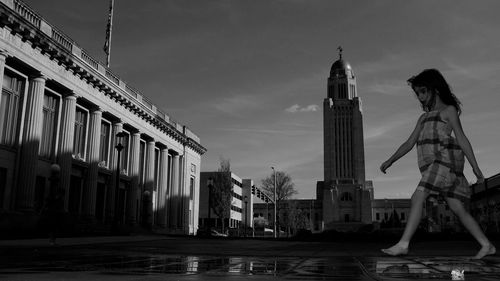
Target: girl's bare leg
(417, 203)
(472, 226)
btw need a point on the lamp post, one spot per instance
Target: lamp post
(119, 147)
(274, 228)
(210, 183)
(246, 214)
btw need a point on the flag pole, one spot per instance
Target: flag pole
(107, 43)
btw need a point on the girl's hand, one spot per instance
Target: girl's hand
(480, 180)
(479, 175)
(385, 166)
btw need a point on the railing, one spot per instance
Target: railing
(61, 39)
(113, 77)
(161, 114)
(147, 103)
(89, 60)
(27, 13)
(131, 91)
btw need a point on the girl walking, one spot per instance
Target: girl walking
(440, 159)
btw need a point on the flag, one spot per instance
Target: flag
(107, 42)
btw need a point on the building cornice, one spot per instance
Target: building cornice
(32, 28)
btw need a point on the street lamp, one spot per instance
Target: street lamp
(274, 229)
(119, 147)
(246, 214)
(55, 173)
(210, 184)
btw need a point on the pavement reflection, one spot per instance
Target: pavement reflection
(192, 267)
(435, 268)
(172, 258)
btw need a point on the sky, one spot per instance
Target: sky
(249, 77)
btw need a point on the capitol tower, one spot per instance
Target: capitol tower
(346, 196)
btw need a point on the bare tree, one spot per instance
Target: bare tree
(222, 191)
(295, 219)
(285, 189)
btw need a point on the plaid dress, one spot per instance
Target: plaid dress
(441, 160)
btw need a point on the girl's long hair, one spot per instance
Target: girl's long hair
(433, 80)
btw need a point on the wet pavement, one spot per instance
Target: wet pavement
(205, 259)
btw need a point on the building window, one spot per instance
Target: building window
(191, 188)
(346, 196)
(10, 104)
(104, 144)
(39, 193)
(377, 216)
(236, 182)
(142, 164)
(80, 135)
(125, 153)
(156, 169)
(75, 195)
(3, 184)
(50, 122)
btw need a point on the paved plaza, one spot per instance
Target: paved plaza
(182, 258)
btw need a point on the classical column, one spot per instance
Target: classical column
(25, 194)
(110, 194)
(134, 174)
(175, 199)
(94, 146)
(169, 196)
(149, 181)
(3, 57)
(66, 143)
(184, 208)
(163, 188)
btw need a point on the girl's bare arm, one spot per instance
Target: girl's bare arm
(405, 147)
(450, 115)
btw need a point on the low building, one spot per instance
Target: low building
(485, 203)
(233, 218)
(61, 106)
(436, 215)
(384, 209)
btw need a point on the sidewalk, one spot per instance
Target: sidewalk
(74, 241)
(160, 257)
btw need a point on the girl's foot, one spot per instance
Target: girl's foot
(485, 250)
(396, 250)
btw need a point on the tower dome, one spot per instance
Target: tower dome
(341, 67)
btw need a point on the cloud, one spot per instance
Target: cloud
(391, 88)
(382, 131)
(261, 131)
(234, 105)
(296, 108)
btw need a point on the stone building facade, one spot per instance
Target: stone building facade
(383, 209)
(60, 105)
